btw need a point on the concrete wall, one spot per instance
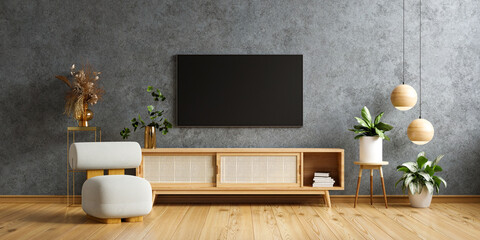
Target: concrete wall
(352, 57)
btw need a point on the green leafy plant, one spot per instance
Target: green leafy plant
(367, 127)
(156, 117)
(418, 174)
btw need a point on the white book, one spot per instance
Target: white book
(323, 180)
(321, 174)
(323, 185)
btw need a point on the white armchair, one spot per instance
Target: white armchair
(114, 197)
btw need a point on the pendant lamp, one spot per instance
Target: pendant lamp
(420, 131)
(403, 97)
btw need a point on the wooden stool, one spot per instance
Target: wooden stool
(371, 166)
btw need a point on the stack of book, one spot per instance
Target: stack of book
(322, 179)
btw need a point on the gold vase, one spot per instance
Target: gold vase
(150, 137)
(85, 116)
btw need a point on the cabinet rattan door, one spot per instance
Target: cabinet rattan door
(179, 169)
(262, 170)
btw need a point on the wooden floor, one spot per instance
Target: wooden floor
(248, 221)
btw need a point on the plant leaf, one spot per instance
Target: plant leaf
(161, 95)
(408, 179)
(167, 123)
(403, 169)
(443, 180)
(437, 168)
(378, 117)
(421, 161)
(425, 176)
(386, 137)
(399, 180)
(383, 126)
(150, 108)
(421, 154)
(357, 131)
(436, 180)
(429, 170)
(379, 133)
(412, 187)
(429, 186)
(125, 133)
(437, 159)
(140, 119)
(149, 88)
(362, 122)
(366, 115)
(358, 136)
(412, 166)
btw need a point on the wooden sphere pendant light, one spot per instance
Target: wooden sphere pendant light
(420, 131)
(403, 97)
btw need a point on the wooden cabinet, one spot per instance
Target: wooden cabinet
(241, 170)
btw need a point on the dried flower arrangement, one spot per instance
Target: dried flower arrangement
(84, 90)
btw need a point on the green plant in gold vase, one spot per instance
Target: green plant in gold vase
(157, 121)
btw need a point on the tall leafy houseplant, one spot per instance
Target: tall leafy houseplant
(367, 127)
(157, 121)
(371, 132)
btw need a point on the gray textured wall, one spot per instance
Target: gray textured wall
(352, 57)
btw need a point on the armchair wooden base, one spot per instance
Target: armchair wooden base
(116, 220)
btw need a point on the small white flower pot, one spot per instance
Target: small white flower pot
(371, 149)
(421, 200)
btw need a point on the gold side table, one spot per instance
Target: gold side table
(97, 131)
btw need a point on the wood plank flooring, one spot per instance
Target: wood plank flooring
(248, 221)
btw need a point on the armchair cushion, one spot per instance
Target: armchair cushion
(104, 155)
(116, 196)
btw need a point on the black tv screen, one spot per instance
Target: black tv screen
(240, 90)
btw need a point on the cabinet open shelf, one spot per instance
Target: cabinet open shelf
(330, 162)
(266, 171)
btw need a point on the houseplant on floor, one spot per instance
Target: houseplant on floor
(371, 133)
(158, 122)
(420, 180)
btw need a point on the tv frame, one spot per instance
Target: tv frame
(250, 126)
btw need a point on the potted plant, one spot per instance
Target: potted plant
(420, 180)
(371, 133)
(158, 122)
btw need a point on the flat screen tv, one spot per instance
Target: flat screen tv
(240, 90)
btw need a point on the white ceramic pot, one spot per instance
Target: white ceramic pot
(371, 149)
(421, 200)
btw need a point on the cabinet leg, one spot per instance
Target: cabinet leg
(326, 198)
(358, 186)
(154, 196)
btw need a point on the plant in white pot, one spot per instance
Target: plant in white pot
(371, 133)
(420, 180)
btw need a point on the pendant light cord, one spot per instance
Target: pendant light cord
(403, 45)
(420, 58)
